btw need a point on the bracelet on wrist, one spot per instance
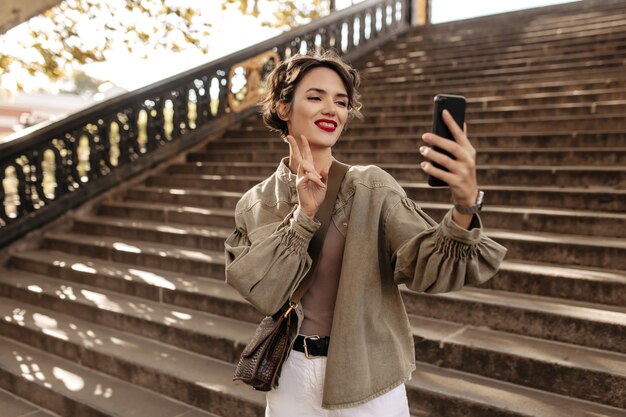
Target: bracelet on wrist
(475, 208)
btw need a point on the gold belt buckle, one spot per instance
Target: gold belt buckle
(306, 349)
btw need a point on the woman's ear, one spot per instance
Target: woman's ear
(282, 110)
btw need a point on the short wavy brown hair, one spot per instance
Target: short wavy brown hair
(281, 84)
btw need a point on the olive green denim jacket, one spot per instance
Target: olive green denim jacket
(389, 241)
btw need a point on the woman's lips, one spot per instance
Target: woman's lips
(326, 125)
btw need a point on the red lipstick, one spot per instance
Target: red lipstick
(326, 125)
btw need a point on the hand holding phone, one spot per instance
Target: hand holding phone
(458, 169)
(456, 107)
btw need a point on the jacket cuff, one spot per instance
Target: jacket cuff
(304, 221)
(455, 232)
(302, 230)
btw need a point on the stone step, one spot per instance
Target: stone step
(569, 34)
(403, 54)
(150, 254)
(564, 248)
(566, 176)
(595, 199)
(452, 67)
(593, 79)
(206, 219)
(13, 406)
(591, 374)
(593, 285)
(132, 227)
(597, 80)
(590, 199)
(502, 92)
(578, 323)
(204, 333)
(531, 19)
(520, 37)
(504, 140)
(98, 347)
(194, 379)
(476, 79)
(550, 16)
(445, 392)
(477, 76)
(184, 196)
(609, 53)
(248, 169)
(213, 296)
(573, 249)
(509, 112)
(183, 290)
(596, 156)
(600, 286)
(206, 182)
(516, 219)
(545, 315)
(442, 40)
(507, 104)
(470, 50)
(73, 390)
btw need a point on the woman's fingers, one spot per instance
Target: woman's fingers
(307, 172)
(313, 177)
(294, 146)
(307, 159)
(459, 135)
(305, 177)
(446, 176)
(461, 165)
(307, 154)
(438, 157)
(460, 153)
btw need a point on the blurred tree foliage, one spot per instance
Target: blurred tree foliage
(78, 32)
(289, 13)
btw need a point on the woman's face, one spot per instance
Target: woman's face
(319, 109)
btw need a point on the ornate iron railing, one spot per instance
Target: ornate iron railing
(45, 172)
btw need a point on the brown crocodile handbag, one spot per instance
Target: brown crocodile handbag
(261, 360)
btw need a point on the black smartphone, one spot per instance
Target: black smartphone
(456, 106)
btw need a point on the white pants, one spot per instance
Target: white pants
(300, 388)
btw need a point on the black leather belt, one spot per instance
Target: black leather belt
(312, 346)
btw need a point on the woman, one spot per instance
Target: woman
(355, 348)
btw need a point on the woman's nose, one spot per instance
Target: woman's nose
(329, 108)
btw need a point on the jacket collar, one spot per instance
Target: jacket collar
(284, 174)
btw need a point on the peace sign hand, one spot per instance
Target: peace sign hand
(310, 185)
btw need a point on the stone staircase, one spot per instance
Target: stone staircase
(126, 312)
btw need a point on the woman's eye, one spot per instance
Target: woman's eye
(342, 103)
(315, 98)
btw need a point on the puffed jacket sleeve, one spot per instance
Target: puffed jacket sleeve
(435, 258)
(266, 270)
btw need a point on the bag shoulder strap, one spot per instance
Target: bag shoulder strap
(336, 175)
